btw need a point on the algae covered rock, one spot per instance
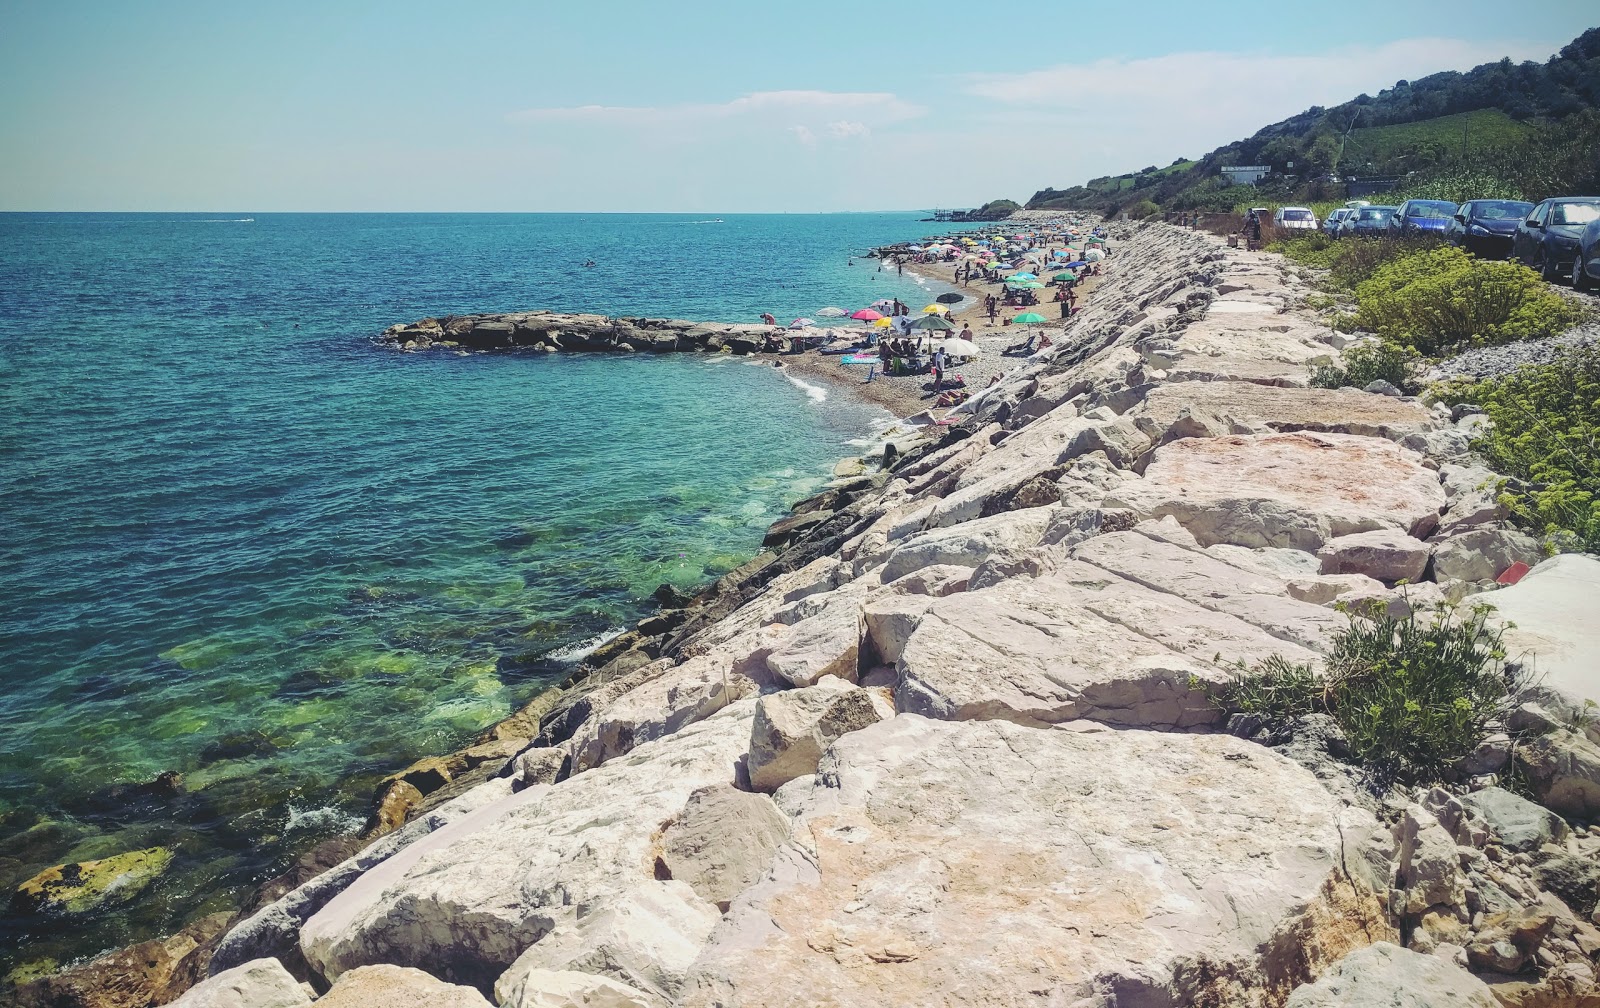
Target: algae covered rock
(88, 885)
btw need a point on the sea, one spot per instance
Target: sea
(245, 544)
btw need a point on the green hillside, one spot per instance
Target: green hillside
(1531, 129)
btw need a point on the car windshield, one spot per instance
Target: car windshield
(1298, 215)
(1430, 210)
(1374, 213)
(1500, 210)
(1574, 213)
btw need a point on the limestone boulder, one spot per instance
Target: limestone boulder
(1077, 643)
(1472, 492)
(1326, 589)
(1430, 872)
(722, 842)
(828, 642)
(385, 986)
(1288, 490)
(890, 620)
(1556, 609)
(984, 862)
(791, 729)
(1481, 554)
(260, 983)
(1514, 821)
(1394, 977)
(970, 543)
(74, 889)
(561, 875)
(1285, 410)
(658, 707)
(1251, 594)
(541, 988)
(1382, 554)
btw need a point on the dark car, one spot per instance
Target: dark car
(1586, 267)
(1547, 239)
(1421, 216)
(1484, 227)
(1330, 227)
(1367, 221)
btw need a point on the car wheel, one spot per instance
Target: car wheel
(1549, 271)
(1580, 279)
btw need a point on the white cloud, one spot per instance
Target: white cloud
(804, 135)
(844, 129)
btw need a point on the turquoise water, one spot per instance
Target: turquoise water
(245, 544)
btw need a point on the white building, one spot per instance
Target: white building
(1245, 174)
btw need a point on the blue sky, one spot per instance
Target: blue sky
(694, 107)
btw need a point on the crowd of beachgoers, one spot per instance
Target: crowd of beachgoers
(996, 298)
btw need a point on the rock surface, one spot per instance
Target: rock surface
(1163, 867)
(1392, 977)
(260, 983)
(537, 988)
(386, 986)
(791, 729)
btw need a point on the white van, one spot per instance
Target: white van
(1295, 218)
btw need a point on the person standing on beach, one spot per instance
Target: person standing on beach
(993, 305)
(1062, 300)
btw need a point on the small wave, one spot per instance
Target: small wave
(816, 392)
(325, 818)
(224, 220)
(578, 652)
(717, 220)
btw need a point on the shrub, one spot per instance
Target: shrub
(1142, 210)
(1545, 432)
(1366, 363)
(1442, 297)
(1350, 261)
(1412, 694)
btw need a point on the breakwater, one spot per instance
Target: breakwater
(554, 331)
(967, 695)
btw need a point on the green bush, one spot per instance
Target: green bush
(1442, 298)
(1366, 363)
(1350, 261)
(1545, 432)
(1142, 210)
(1412, 694)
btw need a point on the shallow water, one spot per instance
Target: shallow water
(245, 544)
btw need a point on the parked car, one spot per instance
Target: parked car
(1485, 227)
(1547, 239)
(1331, 225)
(1586, 267)
(1294, 218)
(1367, 221)
(1421, 216)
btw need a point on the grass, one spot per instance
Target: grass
(1412, 694)
(1416, 144)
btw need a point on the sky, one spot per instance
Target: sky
(696, 107)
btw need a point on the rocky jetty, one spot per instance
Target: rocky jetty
(947, 742)
(553, 331)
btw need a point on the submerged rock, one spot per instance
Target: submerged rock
(89, 885)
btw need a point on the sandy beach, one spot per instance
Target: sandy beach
(905, 395)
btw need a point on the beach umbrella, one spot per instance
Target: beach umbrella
(883, 323)
(1066, 278)
(882, 303)
(950, 298)
(1094, 255)
(1023, 276)
(802, 323)
(831, 312)
(1076, 264)
(934, 309)
(1029, 318)
(1030, 285)
(866, 315)
(933, 322)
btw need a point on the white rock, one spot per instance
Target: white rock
(792, 728)
(970, 543)
(385, 986)
(988, 863)
(260, 983)
(722, 842)
(827, 643)
(1294, 490)
(1472, 492)
(1387, 975)
(655, 709)
(1327, 588)
(1556, 609)
(541, 988)
(561, 875)
(1481, 554)
(1078, 643)
(1382, 554)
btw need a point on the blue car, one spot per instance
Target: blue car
(1421, 216)
(1547, 240)
(1367, 222)
(1485, 227)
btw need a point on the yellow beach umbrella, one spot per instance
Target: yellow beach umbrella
(935, 309)
(883, 323)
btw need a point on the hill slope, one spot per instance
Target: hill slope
(1531, 126)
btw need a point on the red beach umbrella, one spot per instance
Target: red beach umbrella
(867, 315)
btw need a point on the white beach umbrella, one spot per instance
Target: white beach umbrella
(831, 312)
(802, 323)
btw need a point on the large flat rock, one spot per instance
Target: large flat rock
(1556, 612)
(1077, 643)
(1342, 411)
(986, 863)
(564, 873)
(1295, 490)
